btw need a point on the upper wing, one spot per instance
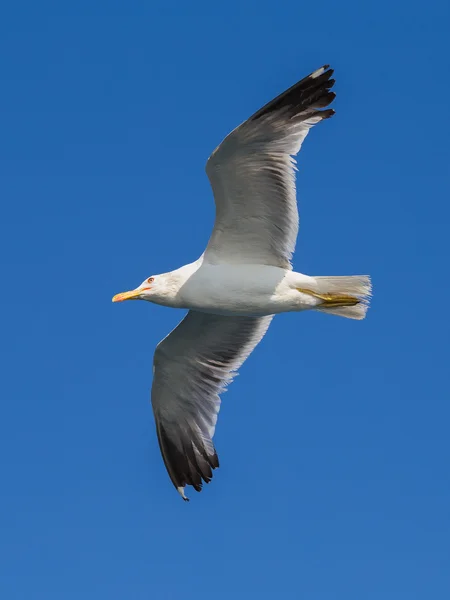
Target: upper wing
(252, 174)
(192, 365)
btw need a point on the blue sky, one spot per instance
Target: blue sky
(334, 439)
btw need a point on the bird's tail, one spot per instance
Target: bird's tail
(344, 296)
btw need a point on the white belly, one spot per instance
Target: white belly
(250, 290)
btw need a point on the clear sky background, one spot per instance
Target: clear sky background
(334, 478)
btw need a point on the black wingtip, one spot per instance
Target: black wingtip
(305, 98)
(326, 114)
(187, 462)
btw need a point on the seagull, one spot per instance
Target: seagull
(243, 278)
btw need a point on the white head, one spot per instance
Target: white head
(157, 288)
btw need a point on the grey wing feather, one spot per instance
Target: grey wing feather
(192, 366)
(252, 174)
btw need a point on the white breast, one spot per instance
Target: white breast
(241, 290)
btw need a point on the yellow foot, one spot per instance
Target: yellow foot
(332, 300)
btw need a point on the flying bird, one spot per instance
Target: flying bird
(243, 278)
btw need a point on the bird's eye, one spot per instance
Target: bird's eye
(150, 280)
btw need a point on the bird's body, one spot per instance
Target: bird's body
(242, 280)
(239, 290)
(246, 290)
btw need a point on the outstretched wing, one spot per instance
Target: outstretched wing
(252, 174)
(192, 366)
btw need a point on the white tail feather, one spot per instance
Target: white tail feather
(352, 285)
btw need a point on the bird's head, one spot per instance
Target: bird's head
(153, 289)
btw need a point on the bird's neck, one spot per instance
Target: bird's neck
(174, 282)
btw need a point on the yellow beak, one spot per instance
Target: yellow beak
(126, 295)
